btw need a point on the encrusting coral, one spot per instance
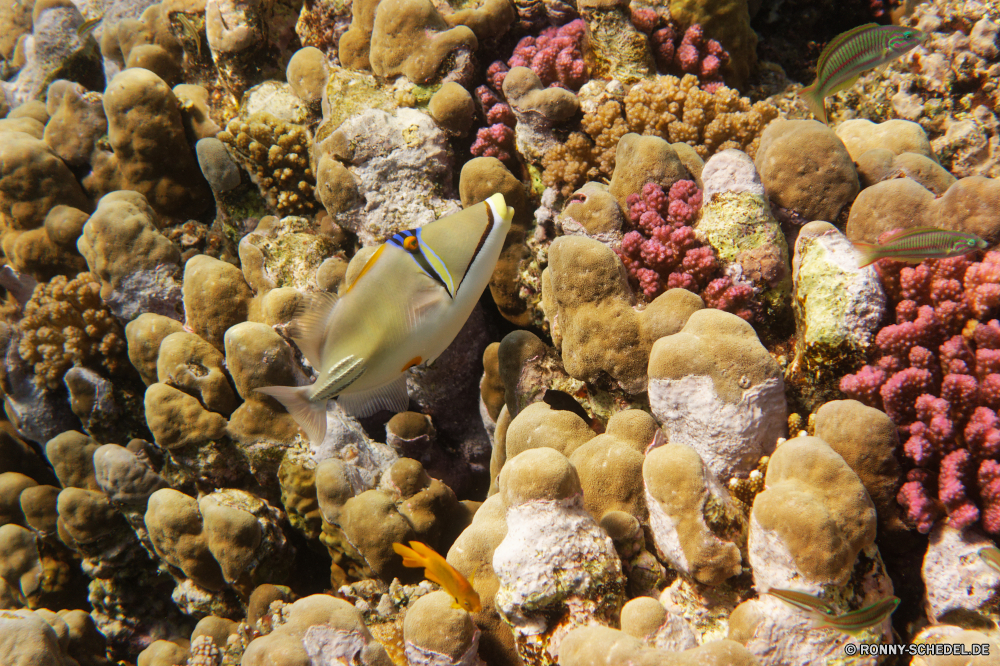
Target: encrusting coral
(275, 152)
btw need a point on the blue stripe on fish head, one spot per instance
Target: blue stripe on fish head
(411, 242)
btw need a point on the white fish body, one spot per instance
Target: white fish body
(406, 306)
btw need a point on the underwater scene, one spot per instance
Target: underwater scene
(499, 332)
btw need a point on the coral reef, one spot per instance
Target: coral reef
(635, 440)
(933, 378)
(675, 109)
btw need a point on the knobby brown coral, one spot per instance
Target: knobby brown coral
(66, 324)
(276, 153)
(674, 109)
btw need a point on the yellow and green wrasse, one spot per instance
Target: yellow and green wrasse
(850, 54)
(856, 622)
(88, 26)
(406, 305)
(991, 556)
(802, 600)
(824, 615)
(916, 245)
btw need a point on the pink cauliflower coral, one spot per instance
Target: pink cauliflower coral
(937, 376)
(497, 138)
(663, 252)
(693, 54)
(556, 56)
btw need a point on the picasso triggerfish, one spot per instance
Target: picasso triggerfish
(405, 306)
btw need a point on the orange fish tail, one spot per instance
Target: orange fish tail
(814, 100)
(867, 253)
(411, 558)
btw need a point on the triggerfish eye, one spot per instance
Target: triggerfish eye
(411, 244)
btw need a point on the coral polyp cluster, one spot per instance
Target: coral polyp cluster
(936, 376)
(65, 324)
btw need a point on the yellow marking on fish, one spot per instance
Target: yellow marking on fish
(368, 265)
(437, 569)
(413, 361)
(411, 244)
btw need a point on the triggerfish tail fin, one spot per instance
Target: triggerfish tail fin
(814, 100)
(310, 415)
(391, 397)
(868, 253)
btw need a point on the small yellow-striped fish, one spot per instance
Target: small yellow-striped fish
(802, 600)
(88, 26)
(191, 31)
(991, 556)
(915, 245)
(823, 615)
(853, 52)
(856, 622)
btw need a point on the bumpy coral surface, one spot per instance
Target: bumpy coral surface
(632, 443)
(276, 153)
(66, 324)
(664, 253)
(709, 119)
(936, 376)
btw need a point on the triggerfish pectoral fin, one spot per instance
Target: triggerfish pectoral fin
(391, 397)
(310, 415)
(309, 326)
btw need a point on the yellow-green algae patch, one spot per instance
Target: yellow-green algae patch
(738, 224)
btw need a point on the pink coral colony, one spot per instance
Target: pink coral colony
(663, 252)
(937, 376)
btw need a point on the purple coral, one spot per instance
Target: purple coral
(693, 54)
(663, 253)
(556, 56)
(937, 376)
(497, 138)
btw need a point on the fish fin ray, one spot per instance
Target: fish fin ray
(411, 558)
(309, 326)
(814, 100)
(867, 253)
(390, 397)
(310, 415)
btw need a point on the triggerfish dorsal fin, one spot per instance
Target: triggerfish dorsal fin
(391, 397)
(310, 325)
